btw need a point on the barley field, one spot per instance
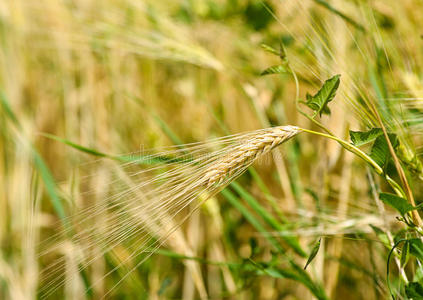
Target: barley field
(211, 149)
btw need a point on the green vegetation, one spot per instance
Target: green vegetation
(112, 112)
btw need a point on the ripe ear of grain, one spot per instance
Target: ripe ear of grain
(147, 207)
(248, 150)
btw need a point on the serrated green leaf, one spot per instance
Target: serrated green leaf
(405, 254)
(278, 69)
(313, 253)
(319, 102)
(414, 290)
(360, 138)
(380, 151)
(396, 202)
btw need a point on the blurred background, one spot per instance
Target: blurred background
(120, 76)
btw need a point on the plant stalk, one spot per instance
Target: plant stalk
(395, 186)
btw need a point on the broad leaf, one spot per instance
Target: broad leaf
(319, 102)
(380, 151)
(416, 248)
(398, 203)
(313, 253)
(360, 138)
(279, 69)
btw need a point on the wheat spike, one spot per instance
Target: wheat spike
(248, 150)
(151, 205)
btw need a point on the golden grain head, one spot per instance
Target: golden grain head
(247, 151)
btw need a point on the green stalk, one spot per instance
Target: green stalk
(395, 186)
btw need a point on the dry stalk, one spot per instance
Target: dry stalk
(248, 150)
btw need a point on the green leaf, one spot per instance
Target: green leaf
(313, 253)
(346, 18)
(255, 249)
(8, 110)
(40, 165)
(405, 253)
(416, 248)
(234, 201)
(396, 202)
(297, 275)
(418, 275)
(414, 290)
(360, 138)
(167, 130)
(76, 146)
(319, 102)
(380, 151)
(270, 49)
(266, 192)
(391, 252)
(268, 218)
(278, 69)
(86, 280)
(50, 185)
(139, 159)
(281, 53)
(383, 237)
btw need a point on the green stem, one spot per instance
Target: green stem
(395, 186)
